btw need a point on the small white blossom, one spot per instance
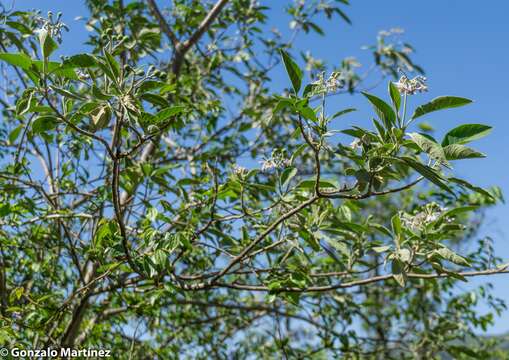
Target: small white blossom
(54, 27)
(330, 85)
(239, 170)
(277, 161)
(393, 31)
(355, 144)
(411, 86)
(268, 165)
(82, 75)
(429, 214)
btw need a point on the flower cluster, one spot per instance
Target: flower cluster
(393, 31)
(240, 171)
(411, 86)
(278, 160)
(430, 213)
(330, 85)
(52, 26)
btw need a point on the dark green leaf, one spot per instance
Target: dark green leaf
(293, 71)
(457, 152)
(383, 110)
(80, 61)
(48, 45)
(439, 103)
(429, 146)
(342, 112)
(395, 95)
(469, 186)
(168, 113)
(428, 172)
(154, 99)
(20, 60)
(310, 184)
(67, 93)
(44, 123)
(287, 175)
(466, 133)
(113, 64)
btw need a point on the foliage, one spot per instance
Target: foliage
(135, 215)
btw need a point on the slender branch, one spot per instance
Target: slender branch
(196, 36)
(371, 280)
(262, 236)
(163, 24)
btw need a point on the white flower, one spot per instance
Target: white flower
(239, 170)
(393, 31)
(82, 75)
(411, 86)
(53, 27)
(429, 214)
(330, 85)
(277, 161)
(355, 144)
(268, 165)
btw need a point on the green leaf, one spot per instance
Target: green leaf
(293, 71)
(22, 28)
(343, 15)
(466, 133)
(451, 256)
(154, 99)
(429, 146)
(168, 113)
(395, 95)
(458, 210)
(13, 135)
(307, 113)
(310, 239)
(398, 272)
(396, 224)
(44, 123)
(98, 94)
(310, 184)
(150, 85)
(48, 45)
(106, 232)
(381, 249)
(20, 60)
(25, 101)
(467, 185)
(113, 64)
(457, 152)
(428, 172)
(101, 117)
(67, 93)
(80, 61)
(383, 110)
(439, 103)
(287, 175)
(353, 227)
(342, 112)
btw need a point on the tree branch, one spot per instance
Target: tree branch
(165, 28)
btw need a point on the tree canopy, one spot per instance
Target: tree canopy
(160, 197)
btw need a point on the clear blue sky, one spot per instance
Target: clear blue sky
(463, 47)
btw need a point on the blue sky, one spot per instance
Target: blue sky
(462, 45)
